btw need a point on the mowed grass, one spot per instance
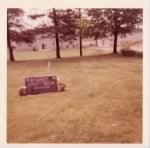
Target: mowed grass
(102, 102)
(51, 54)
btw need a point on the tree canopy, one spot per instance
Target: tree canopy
(16, 30)
(113, 22)
(69, 24)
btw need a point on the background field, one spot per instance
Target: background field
(102, 102)
(51, 54)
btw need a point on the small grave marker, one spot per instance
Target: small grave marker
(36, 85)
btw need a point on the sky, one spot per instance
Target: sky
(33, 23)
(30, 24)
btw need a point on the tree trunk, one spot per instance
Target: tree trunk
(11, 55)
(56, 35)
(115, 42)
(96, 42)
(81, 54)
(80, 40)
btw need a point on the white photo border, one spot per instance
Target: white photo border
(145, 4)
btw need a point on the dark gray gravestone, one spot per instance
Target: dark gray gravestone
(35, 85)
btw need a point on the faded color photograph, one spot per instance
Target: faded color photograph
(75, 75)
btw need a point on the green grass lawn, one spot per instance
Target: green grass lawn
(102, 102)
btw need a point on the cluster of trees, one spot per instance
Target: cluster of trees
(70, 24)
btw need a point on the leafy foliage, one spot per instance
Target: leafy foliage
(113, 22)
(97, 25)
(66, 23)
(69, 24)
(16, 29)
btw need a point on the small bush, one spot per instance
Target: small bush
(128, 52)
(139, 54)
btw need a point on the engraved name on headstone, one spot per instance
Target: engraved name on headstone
(42, 84)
